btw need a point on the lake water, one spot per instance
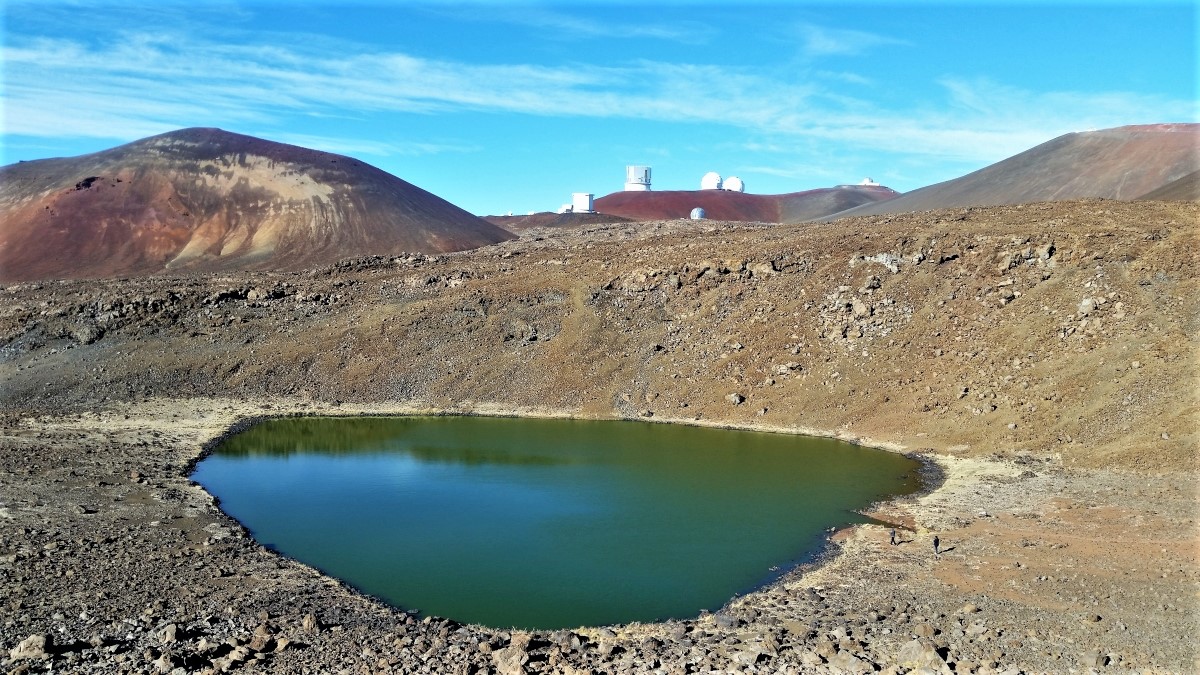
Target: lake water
(544, 523)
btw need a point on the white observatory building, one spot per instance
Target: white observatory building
(581, 202)
(712, 181)
(637, 178)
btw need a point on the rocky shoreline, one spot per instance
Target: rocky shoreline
(113, 561)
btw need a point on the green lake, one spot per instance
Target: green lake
(545, 523)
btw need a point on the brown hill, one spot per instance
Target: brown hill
(518, 224)
(792, 207)
(200, 200)
(1120, 163)
(1182, 189)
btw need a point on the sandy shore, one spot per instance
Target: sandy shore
(121, 564)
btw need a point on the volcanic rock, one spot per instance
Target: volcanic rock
(32, 647)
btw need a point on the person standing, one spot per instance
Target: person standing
(893, 536)
(936, 546)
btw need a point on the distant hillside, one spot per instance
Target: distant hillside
(199, 200)
(519, 224)
(1183, 189)
(792, 207)
(1121, 163)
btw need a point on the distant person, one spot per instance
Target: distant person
(893, 536)
(937, 543)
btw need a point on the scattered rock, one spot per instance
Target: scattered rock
(920, 653)
(32, 647)
(511, 660)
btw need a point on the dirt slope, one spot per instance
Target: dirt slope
(1120, 163)
(792, 207)
(1183, 189)
(519, 224)
(199, 200)
(1072, 322)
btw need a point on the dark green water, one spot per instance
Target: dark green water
(544, 523)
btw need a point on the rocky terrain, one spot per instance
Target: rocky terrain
(201, 200)
(1040, 358)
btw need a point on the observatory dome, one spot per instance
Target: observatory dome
(697, 214)
(711, 181)
(734, 184)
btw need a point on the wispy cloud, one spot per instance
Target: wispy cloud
(344, 146)
(150, 82)
(571, 26)
(820, 41)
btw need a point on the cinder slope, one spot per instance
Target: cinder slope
(532, 221)
(1120, 163)
(200, 200)
(932, 329)
(792, 207)
(1183, 189)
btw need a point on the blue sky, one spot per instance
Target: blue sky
(502, 107)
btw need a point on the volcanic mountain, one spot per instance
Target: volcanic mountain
(1120, 163)
(793, 207)
(202, 200)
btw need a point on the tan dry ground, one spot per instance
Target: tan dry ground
(1043, 355)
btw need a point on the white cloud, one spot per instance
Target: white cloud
(567, 26)
(820, 41)
(148, 83)
(355, 147)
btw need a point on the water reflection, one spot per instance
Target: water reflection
(543, 523)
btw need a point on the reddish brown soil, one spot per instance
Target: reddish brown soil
(792, 207)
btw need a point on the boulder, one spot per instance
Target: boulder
(511, 660)
(921, 653)
(847, 662)
(861, 309)
(32, 647)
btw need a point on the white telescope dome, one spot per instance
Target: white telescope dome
(711, 181)
(697, 214)
(734, 184)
